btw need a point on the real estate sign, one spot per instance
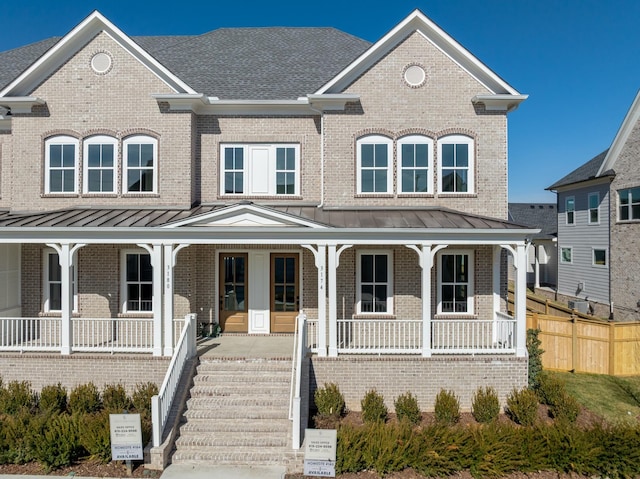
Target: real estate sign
(126, 437)
(320, 452)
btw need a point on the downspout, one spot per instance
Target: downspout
(609, 216)
(321, 112)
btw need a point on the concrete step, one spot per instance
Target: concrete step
(258, 413)
(228, 439)
(229, 456)
(239, 402)
(262, 378)
(236, 425)
(244, 365)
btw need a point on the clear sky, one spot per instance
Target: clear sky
(578, 60)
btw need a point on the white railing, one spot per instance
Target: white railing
(295, 400)
(30, 334)
(379, 336)
(473, 336)
(112, 335)
(312, 335)
(162, 402)
(178, 325)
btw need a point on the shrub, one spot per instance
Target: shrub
(85, 398)
(17, 396)
(141, 397)
(55, 443)
(406, 406)
(373, 407)
(522, 406)
(566, 408)
(115, 399)
(550, 389)
(535, 357)
(95, 436)
(447, 407)
(329, 401)
(15, 431)
(485, 406)
(53, 399)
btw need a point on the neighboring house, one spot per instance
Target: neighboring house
(599, 227)
(542, 263)
(248, 174)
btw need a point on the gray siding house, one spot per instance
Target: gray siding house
(599, 227)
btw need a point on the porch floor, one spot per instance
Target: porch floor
(244, 346)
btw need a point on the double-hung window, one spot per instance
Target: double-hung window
(629, 200)
(415, 164)
(455, 292)
(374, 161)
(594, 208)
(260, 169)
(456, 159)
(140, 158)
(375, 282)
(61, 165)
(100, 153)
(52, 288)
(137, 283)
(599, 257)
(570, 210)
(566, 255)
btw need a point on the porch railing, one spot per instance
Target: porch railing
(125, 335)
(473, 336)
(30, 334)
(312, 336)
(379, 336)
(162, 402)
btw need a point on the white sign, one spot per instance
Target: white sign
(319, 468)
(321, 444)
(126, 437)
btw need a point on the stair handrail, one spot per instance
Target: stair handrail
(161, 403)
(295, 402)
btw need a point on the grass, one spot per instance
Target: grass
(615, 399)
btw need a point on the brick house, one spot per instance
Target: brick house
(246, 175)
(598, 227)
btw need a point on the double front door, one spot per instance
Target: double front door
(259, 292)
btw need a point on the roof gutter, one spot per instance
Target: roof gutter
(500, 102)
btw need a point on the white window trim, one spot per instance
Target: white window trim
(570, 248)
(470, 283)
(416, 140)
(566, 210)
(247, 171)
(139, 140)
(390, 273)
(374, 140)
(60, 140)
(99, 140)
(45, 283)
(597, 208)
(123, 282)
(629, 205)
(458, 139)
(606, 258)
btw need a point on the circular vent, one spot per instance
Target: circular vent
(101, 63)
(415, 76)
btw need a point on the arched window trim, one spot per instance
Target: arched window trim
(366, 174)
(57, 169)
(89, 169)
(133, 169)
(415, 139)
(457, 139)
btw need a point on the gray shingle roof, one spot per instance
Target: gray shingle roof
(587, 171)
(235, 63)
(536, 215)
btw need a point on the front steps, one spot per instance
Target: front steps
(238, 414)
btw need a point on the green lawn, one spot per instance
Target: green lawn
(615, 399)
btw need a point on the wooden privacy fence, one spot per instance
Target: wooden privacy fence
(588, 346)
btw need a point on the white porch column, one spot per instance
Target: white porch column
(520, 261)
(170, 254)
(536, 250)
(155, 252)
(66, 252)
(496, 279)
(333, 298)
(320, 256)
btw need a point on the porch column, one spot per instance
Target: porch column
(155, 252)
(170, 254)
(536, 250)
(520, 261)
(320, 256)
(496, 279)
(333, 307)
(66, 252)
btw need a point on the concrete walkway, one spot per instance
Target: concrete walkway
(247, 346)
(222, 472)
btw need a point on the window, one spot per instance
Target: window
(52, 289)
(570, 210)
(456, 164)
(61, 161)
(260, 170)
(629, 204)
(566, 255)
(456, 283)
(594, 208)
(99, 164)
(415, 164)
(140, 155)
(375, 289)
(138, 282)
(374, 160)
(599, 257)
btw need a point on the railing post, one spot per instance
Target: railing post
(191, 320)
(156, 420)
